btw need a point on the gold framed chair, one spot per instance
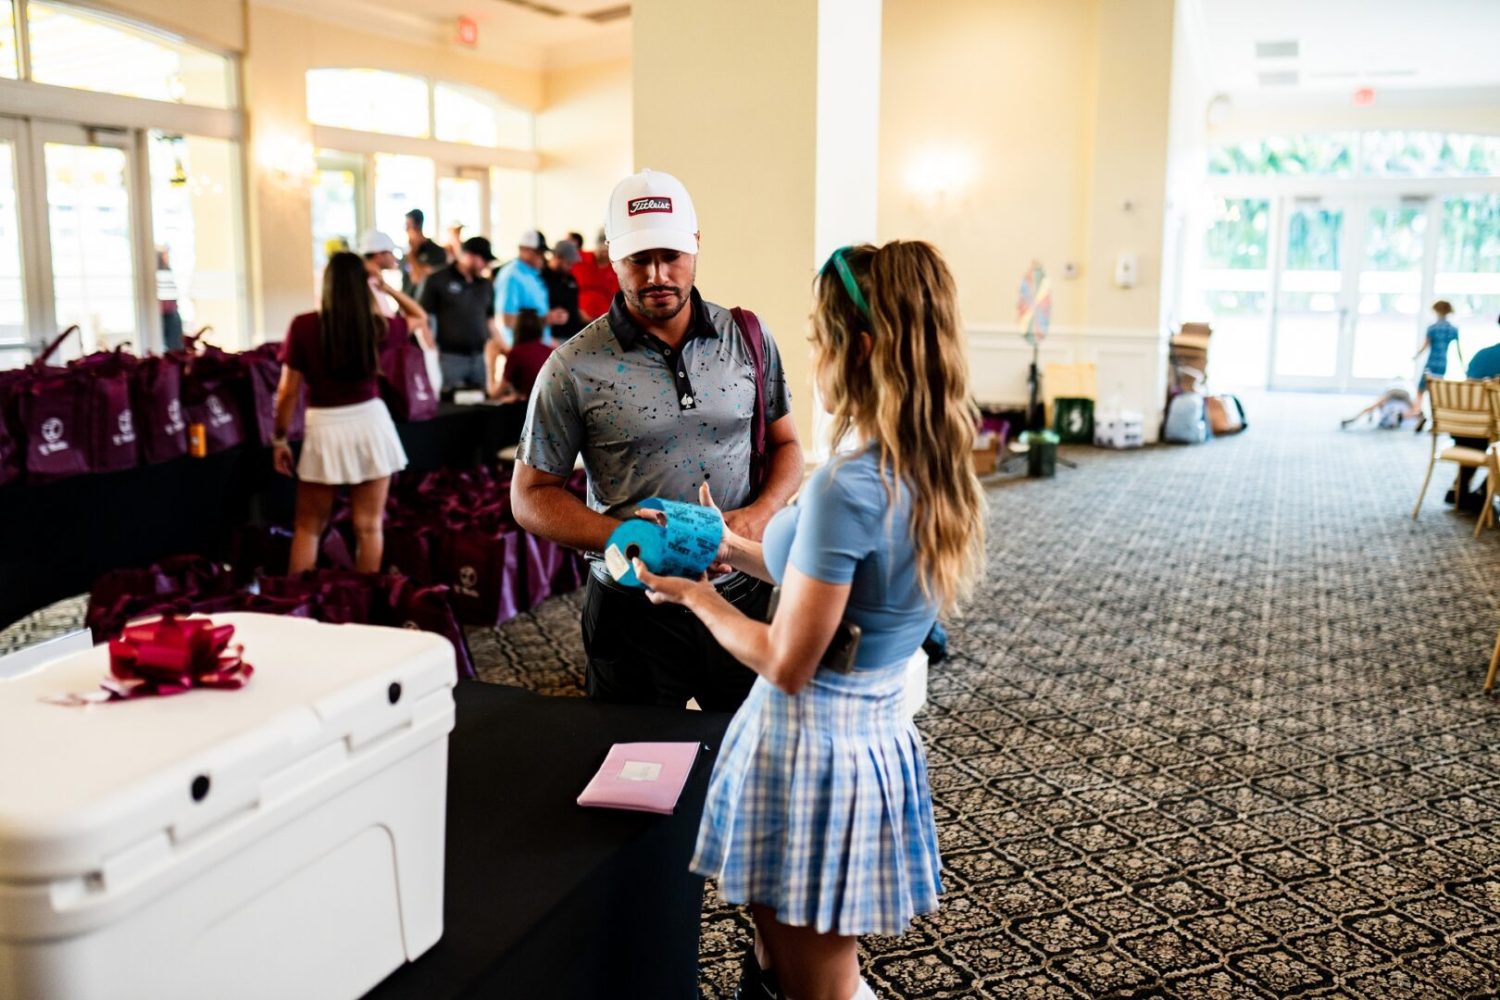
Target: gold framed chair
(1489, 678)
(1487, 516)
(1459, 409)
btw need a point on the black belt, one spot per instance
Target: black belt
(732, 589)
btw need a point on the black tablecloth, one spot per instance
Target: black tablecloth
(544, 898)
(56, 538)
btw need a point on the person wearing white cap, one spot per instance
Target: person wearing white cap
(662, 393)
(379, 253)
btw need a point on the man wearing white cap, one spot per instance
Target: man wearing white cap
(379, 253)
(660, 395)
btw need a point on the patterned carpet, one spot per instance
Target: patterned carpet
(1213, 729)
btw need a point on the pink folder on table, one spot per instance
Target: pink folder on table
(645, 777)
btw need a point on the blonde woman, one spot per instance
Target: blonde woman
(818, 813)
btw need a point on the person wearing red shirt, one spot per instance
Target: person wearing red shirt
(597, 283)
(524, 363)
(350, 438)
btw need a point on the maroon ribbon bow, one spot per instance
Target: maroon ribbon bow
(173, 655)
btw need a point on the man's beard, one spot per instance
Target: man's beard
(641, 305)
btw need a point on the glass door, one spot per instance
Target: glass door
(15, 349)
(338, 198)
(1312, 308)
(89, 177)
(1386, 328)
(461, 202)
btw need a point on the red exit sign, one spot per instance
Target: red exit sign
(468, 31)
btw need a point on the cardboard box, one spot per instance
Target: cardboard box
(986, 453)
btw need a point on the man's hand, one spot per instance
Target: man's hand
(557, 317)
(748, 522)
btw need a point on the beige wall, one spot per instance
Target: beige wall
(584, 130)
(1014, 130)
(1020, 130)
(742, 137)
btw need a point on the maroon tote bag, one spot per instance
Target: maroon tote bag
(161, 422)
(403, 377)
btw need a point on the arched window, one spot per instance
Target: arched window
(369, 100)
(380, 101)
(88, 50)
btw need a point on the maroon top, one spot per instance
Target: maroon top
(303, 352)
(524, 364)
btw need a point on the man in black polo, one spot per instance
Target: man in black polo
(423, 256)
(657, 395)
(562, 289)
(460, 301)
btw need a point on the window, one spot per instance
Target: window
(12, 294)
(1233, 286)
(373, 100)
(86, 50)
(1429, 154)
(9, 60)
(1468, 272)
(1329, 155)
(368, 100)
(466, 114)
(1363, 154)
(194, 225)
(402, 183)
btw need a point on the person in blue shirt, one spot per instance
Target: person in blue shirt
(520, 285)
(1485, 364)
(1436, 342)
(818, 814)
(1468, 494)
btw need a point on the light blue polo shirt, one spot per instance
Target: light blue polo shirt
(520, 286)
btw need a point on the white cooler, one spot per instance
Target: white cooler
(284, 840)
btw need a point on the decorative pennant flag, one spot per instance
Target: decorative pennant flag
(1034, 304)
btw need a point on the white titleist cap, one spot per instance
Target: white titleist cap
(374, 241)
(650, 211)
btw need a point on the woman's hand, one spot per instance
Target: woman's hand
(281, 458)
(728, 544)
(672, 589)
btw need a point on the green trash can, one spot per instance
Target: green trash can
(1073, 419)
(1041, 453)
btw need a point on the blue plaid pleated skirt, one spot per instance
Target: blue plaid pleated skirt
(819, 807)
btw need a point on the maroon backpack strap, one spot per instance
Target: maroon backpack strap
(755, 340)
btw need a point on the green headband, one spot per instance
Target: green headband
(839, 264)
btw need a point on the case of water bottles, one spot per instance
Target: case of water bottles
(1119, 429)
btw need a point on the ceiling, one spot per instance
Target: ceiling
(534, 34)
(1321, 46)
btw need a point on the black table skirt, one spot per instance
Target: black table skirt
(56, 538)
(544, 898)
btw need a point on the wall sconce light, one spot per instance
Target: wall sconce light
(288, 161)
(938, 176)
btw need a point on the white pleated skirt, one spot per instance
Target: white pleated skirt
(346, 445)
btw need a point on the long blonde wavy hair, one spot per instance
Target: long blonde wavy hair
(909, 394)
